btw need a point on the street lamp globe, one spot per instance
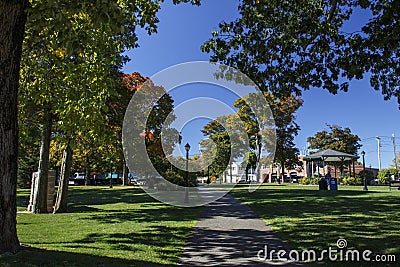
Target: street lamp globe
(187, 147)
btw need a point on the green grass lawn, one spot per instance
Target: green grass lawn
(310, 219)
(122, 226)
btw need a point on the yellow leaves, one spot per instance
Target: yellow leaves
(81, 15)
(60, 52)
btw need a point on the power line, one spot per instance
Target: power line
(372, 138)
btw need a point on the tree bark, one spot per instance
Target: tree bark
(87, 170)
(12, 26)
(332, 10)
(125, 172)
(259, 145)
(230, 171)
(61, 204)
(41, 198)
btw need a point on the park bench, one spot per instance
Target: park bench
(394, 184)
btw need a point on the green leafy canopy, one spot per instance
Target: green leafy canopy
(290, 46)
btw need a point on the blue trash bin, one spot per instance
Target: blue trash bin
(333, 184)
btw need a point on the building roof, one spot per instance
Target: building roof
(330, 155)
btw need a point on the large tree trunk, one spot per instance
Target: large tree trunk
(61, 204)
(258, 161)
(87, 170)
(12, 25)
(230, 171)
(125, 172)
(41, 193)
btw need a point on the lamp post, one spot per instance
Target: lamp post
(186, 200)
(365, 177)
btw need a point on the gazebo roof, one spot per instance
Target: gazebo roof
(330, 155)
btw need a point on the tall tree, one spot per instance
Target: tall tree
(89, 141)
(225, 143)
(283, 110)
(249, 162)
(117, 107)
(289, 46)
(393, 164)
(217, 146)
(72, 74)
(40, 203)
(121, 18)
(61, 204)
(12, 24)
(29, 144)
(336, 138)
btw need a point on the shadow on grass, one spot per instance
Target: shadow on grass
(79, 197)
(312, 219)
(30, 256)
(122, 226)
(92, 201)
(167, 213)
(159, 236)
(85, 199)
(162, 241)
(95, 195)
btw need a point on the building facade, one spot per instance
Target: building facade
(235, 173)
(272, 172)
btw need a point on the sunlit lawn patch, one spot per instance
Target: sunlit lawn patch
(105, 227)
(310, 219)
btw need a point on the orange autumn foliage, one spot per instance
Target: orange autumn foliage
(133, 81)
(147, 134)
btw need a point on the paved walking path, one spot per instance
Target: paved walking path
(229, 233)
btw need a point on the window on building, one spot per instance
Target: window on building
(263, 166)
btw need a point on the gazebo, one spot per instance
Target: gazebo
(329, 155)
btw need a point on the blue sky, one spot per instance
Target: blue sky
(182, 30)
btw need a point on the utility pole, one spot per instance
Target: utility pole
(395, 156)
(379, 151)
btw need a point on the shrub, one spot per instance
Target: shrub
(309, 180)
(165, 186)
(385, 175)
(213, 179)
(347, 180)
(178, 178)
(368, 174)
(174, 177)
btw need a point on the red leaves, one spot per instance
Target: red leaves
(147, 134)
(133, 81)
